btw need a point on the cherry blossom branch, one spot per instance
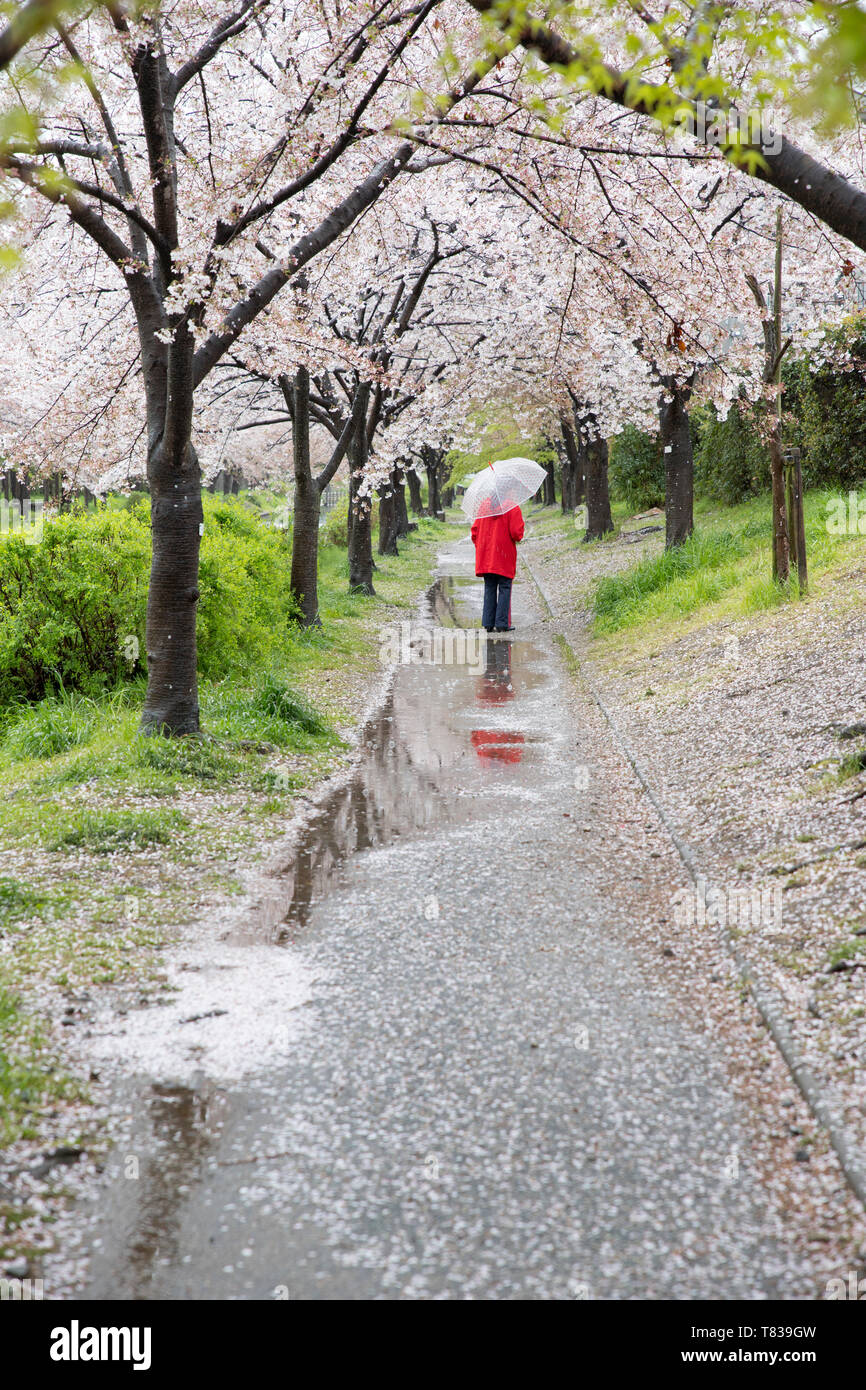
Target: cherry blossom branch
(10, 161)
(792, 171)
(338, 220)
(227, 232)
(227, 28)
(23, 26)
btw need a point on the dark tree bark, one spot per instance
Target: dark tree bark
(171, 705)
(387, 519)
(550, 481)
(360, 540)
(309, 489)
(564, 466)
(305, 522)
(431, 466)
(350, 516)
(572, 466)
(676, 443)
(416, 501)
(30, 19)
(400, 511)
(599, 521)
(774, 350)
(579, 490)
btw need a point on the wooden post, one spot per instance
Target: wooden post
(796, 518)
(778, 574)
(802, 572)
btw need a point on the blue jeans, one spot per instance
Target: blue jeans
(497, 602)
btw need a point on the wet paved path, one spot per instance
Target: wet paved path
(487, 1099)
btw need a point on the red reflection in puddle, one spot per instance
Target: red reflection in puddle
(497, 745)
(495, 686)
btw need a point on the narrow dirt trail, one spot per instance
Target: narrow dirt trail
(486, 1093)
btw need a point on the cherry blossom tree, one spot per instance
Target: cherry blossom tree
(209, 161)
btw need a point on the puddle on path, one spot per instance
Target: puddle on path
(450, 740)
(426, 758)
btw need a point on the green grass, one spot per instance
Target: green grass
(852, 766)
(195, 759)
(28, 1077)
(56, 724)
(679, 580)
(725, 565)
(104, 831)
(277, 701)
(19, 901)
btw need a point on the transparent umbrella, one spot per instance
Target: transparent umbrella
(501, 486)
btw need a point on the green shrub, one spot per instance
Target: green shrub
(68, 604)
(72, 608)
(246, 604)
(636, 469)
(336, 528)
(731, 460)
(828, 414)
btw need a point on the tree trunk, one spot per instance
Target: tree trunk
(177, 520)
(387, 519)
(773, 351)
(676, 443)
(360, 541)
(578, 494)
(550, 484)
(305, 521)
(350, 515)
(781, 545)
(599, 521)
(415, 499)
(571, 465)
(400, 511)
(434, 501)
(796, 519)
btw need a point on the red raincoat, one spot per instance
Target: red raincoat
(495, 539)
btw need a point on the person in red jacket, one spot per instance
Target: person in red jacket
(495, 539)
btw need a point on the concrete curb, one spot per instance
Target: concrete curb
(767, 999)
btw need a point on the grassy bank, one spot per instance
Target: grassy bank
(112, 841)
(722, 571)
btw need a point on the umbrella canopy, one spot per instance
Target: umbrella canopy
(501, 486)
